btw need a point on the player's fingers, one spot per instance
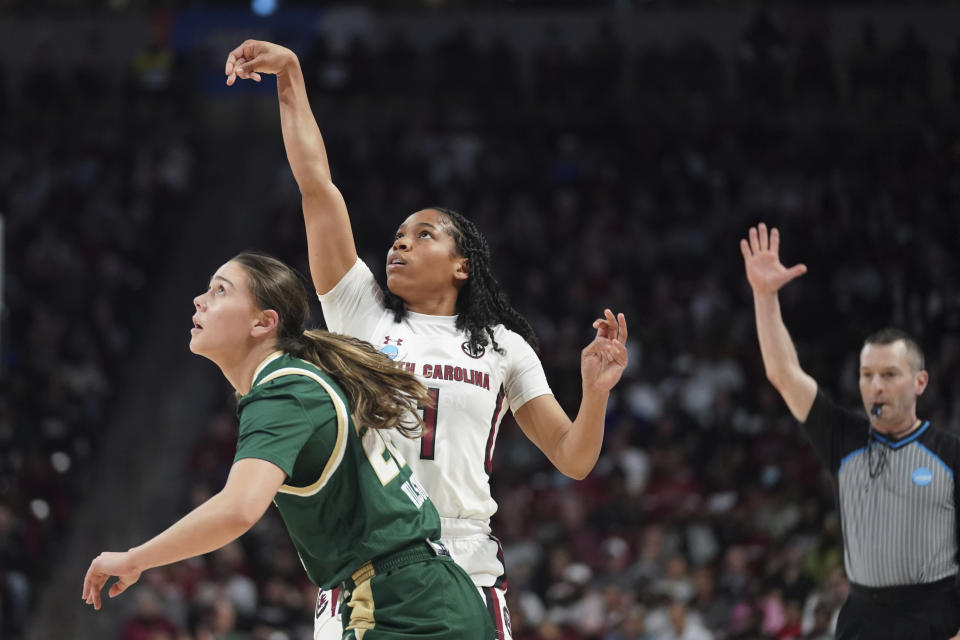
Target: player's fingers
(89, 584)
(93, 596)
(239, 51)
(608, 324)
(775, 240)
(251, 64)
(246, 72)
(764, 238)
(617, 354)
(622, 328)
(254, 63)
(754, 240)
(601, 326)
(240, 68)
(745, 249)
(230, 68)
(118, 587)
(230, 63)
(611, 355)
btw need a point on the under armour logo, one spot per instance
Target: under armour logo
(387, 340)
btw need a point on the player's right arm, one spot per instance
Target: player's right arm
(766, 275)
(249, 490)
(330, 245)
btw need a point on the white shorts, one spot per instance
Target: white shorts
(496, 601)
(479, 555)
(326, 621)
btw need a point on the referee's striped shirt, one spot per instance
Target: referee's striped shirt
(898, 498)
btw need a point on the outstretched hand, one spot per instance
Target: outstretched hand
(761, 257)
(105, 565)
(254, 57)
(603, 360)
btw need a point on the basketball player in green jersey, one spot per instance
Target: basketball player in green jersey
(312, 406)
(443, 316)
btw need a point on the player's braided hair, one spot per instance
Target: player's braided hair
(481, 303)
(382, 396)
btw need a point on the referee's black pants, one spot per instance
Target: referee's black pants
(916, 612)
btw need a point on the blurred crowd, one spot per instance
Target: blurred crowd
(614, 175)
(86, 217)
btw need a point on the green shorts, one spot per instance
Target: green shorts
(430, 598)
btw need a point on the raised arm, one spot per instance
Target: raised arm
(573, 446)
(766, 274)
(330, 245)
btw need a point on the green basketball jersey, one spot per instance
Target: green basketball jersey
(348, 497)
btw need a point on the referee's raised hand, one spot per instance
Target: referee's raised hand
(761, 258)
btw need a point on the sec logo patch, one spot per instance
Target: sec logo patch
(474, 352)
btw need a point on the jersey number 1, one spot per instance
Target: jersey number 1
(428, 442)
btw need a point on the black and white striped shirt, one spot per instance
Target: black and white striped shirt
(898, 498)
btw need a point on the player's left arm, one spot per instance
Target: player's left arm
(251, 486)
(574, 446)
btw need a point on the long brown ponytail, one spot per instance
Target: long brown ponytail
(382, 396)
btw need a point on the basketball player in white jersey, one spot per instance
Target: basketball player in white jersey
(445, 318)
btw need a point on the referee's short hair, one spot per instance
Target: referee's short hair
(891, 335)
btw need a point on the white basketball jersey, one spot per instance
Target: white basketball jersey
(472, 392)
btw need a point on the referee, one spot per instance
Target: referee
(894, 473)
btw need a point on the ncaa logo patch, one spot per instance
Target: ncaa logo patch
(393, 348)
(922, 476)
(475, 353)
(390, 351)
